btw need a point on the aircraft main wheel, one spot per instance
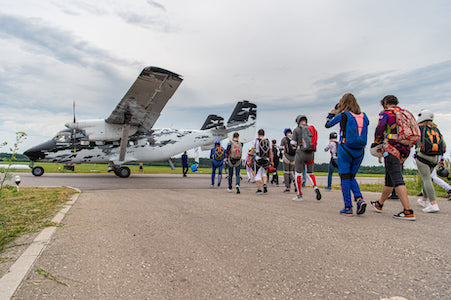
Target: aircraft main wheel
(123, 172)
(37, 171)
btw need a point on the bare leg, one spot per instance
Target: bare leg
(401, 190)
(386, 191)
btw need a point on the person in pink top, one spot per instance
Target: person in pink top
(351, 149)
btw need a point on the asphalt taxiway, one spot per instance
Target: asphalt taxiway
(181, 241)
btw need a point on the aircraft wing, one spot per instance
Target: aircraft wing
(146, 98)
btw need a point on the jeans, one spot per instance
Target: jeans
(331, 172)
(237, 175)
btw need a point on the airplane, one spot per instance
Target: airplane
(127, 135)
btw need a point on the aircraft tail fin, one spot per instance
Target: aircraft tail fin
(243, 120)
(213, 121)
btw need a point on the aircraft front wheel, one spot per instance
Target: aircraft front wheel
(37, 171)
(123, 172)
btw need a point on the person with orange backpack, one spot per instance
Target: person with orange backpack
(217, 153)
(234, 152)
(351, 149)
(429, 151)
(305, 138)
(395, 134)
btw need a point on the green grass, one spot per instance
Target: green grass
(29, 210)
(413, 184)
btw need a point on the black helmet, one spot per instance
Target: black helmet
(333, 135)
(300, 118)
(443, 172)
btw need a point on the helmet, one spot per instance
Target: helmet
(425, 115)
(300, 118)
(333, 135)
(217, 142)
(286, 130)
(443, 172)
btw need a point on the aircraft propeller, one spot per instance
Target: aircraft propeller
(73, 130)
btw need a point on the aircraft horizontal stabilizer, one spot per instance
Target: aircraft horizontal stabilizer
(213, 121)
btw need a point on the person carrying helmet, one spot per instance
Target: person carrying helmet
(428, 154)
(217, 153)
(394, 153)
(351, 149)
(289, 152)
(305, 137)
(332, 148)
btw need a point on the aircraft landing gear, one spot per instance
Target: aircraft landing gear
(37, 171)
(122, 172)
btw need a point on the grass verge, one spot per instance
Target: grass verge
(29, 210)
(413, 184)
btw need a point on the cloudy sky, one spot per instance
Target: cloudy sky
(289, 57)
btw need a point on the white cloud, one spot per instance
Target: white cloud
(288, 56)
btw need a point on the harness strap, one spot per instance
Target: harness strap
(349, 153)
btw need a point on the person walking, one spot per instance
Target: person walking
(305, 137)
(262, 149)
(275, 159)
(351, 149)
(217, 153)
(394, 153)
(289, 152)
(429, 151)
(332, 148)
(185, 166)
(234, 152)
(250, 166)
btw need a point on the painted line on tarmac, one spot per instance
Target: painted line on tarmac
(17, 272)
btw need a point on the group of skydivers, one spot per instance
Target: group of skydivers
(396, 133)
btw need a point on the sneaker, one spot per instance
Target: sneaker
(347, 211)
(237, 189)
(423, 203)
(327, 188)
(376, 205)
(298, 198)
(431, 208)
(406, 214)
(265, 189)
(318, 194)
(287, 190)
(212, 186)
(361, 207)
(229, 190)
(259, 192)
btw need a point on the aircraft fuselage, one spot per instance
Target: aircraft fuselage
(156, 145)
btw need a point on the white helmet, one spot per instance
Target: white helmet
(425, 115)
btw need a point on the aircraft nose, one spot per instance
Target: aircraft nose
(32, 153)
(37, 152)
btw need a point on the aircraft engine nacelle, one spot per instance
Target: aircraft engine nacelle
(99, 130)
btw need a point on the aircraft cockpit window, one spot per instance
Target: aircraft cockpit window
(63, 137)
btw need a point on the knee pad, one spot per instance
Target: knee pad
(346, 176)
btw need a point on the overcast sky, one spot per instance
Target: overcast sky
(289, 57)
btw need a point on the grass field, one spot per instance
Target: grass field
(102, 168)
(28, 210)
